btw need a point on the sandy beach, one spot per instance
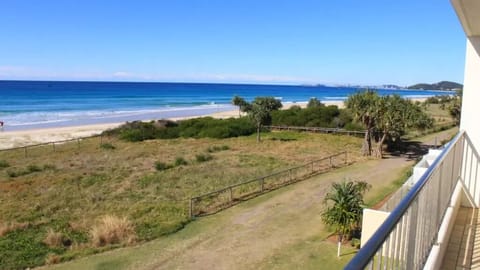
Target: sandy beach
(9, 139)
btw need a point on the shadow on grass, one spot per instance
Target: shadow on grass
(410, 150)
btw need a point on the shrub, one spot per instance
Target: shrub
(107, 146)
(216, 148)
(53, 239)
(203, 157)
(33, 168)
(112, 230)
(161, 166)
(4, 164)
(191, 128)
(314, 116)
(180, 161)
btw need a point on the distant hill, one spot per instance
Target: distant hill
(443, 85)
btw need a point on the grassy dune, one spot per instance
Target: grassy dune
(55, 203)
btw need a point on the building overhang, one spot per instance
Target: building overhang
(468, 11)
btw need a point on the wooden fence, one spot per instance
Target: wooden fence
(223, 198)
(319, 130)
(53, 144)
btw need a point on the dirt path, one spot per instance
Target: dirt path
(267, 232)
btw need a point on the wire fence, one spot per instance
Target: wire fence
(54, 146)
(319, 130)
(223, 198)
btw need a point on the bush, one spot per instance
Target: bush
(217, 148)
(112, 230)
(203, 157)
(316, 116)
(33, 168)
(107, 146)
(4, 164)
(161, 166)
(180, 161)
(191, 128)
(20, 172)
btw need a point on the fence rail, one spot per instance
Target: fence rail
(319, 130)
(406, 237)
(220, 199)
(52, 143)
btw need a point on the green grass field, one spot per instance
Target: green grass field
(68, 190)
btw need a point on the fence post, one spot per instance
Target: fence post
(346, 158)
(312, 166)
(25, 148)
(231, 194)
(290, 174)
(191, 208)
(331, 165)
(261, 184)
(78, 143)
(53, 144)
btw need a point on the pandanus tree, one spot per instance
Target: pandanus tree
(344, 208)
(241, 103)
(389, 116)
(259, 111)
(364, 107)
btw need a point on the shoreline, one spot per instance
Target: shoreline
(19, 138)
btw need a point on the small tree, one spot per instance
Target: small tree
(455, 107)
(314, 102)
(241, 103)
(344, 208)
(259, 111)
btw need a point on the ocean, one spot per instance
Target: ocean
(39, 104)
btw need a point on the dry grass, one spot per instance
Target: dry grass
(11, 226)
(112, 230)
(53, 239)
(52, 259)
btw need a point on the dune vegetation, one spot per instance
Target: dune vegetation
(104, 192)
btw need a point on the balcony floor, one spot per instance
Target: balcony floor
(463, 250)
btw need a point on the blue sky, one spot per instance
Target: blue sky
(241, 41)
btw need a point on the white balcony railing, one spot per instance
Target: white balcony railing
(406, 238)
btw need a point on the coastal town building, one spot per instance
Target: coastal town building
(436, 224)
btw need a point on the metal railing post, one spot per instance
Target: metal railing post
(412, 234)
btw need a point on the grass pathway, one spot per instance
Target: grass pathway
(278, 230)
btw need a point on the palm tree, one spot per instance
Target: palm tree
(344, 208)
(241, 103)
(364, 107)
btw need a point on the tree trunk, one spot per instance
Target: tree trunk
(379, 153)
(258, 133)
(339, 245)
(367, 143)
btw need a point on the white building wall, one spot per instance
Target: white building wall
(470, 120)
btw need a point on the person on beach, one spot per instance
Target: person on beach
(1, 125)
